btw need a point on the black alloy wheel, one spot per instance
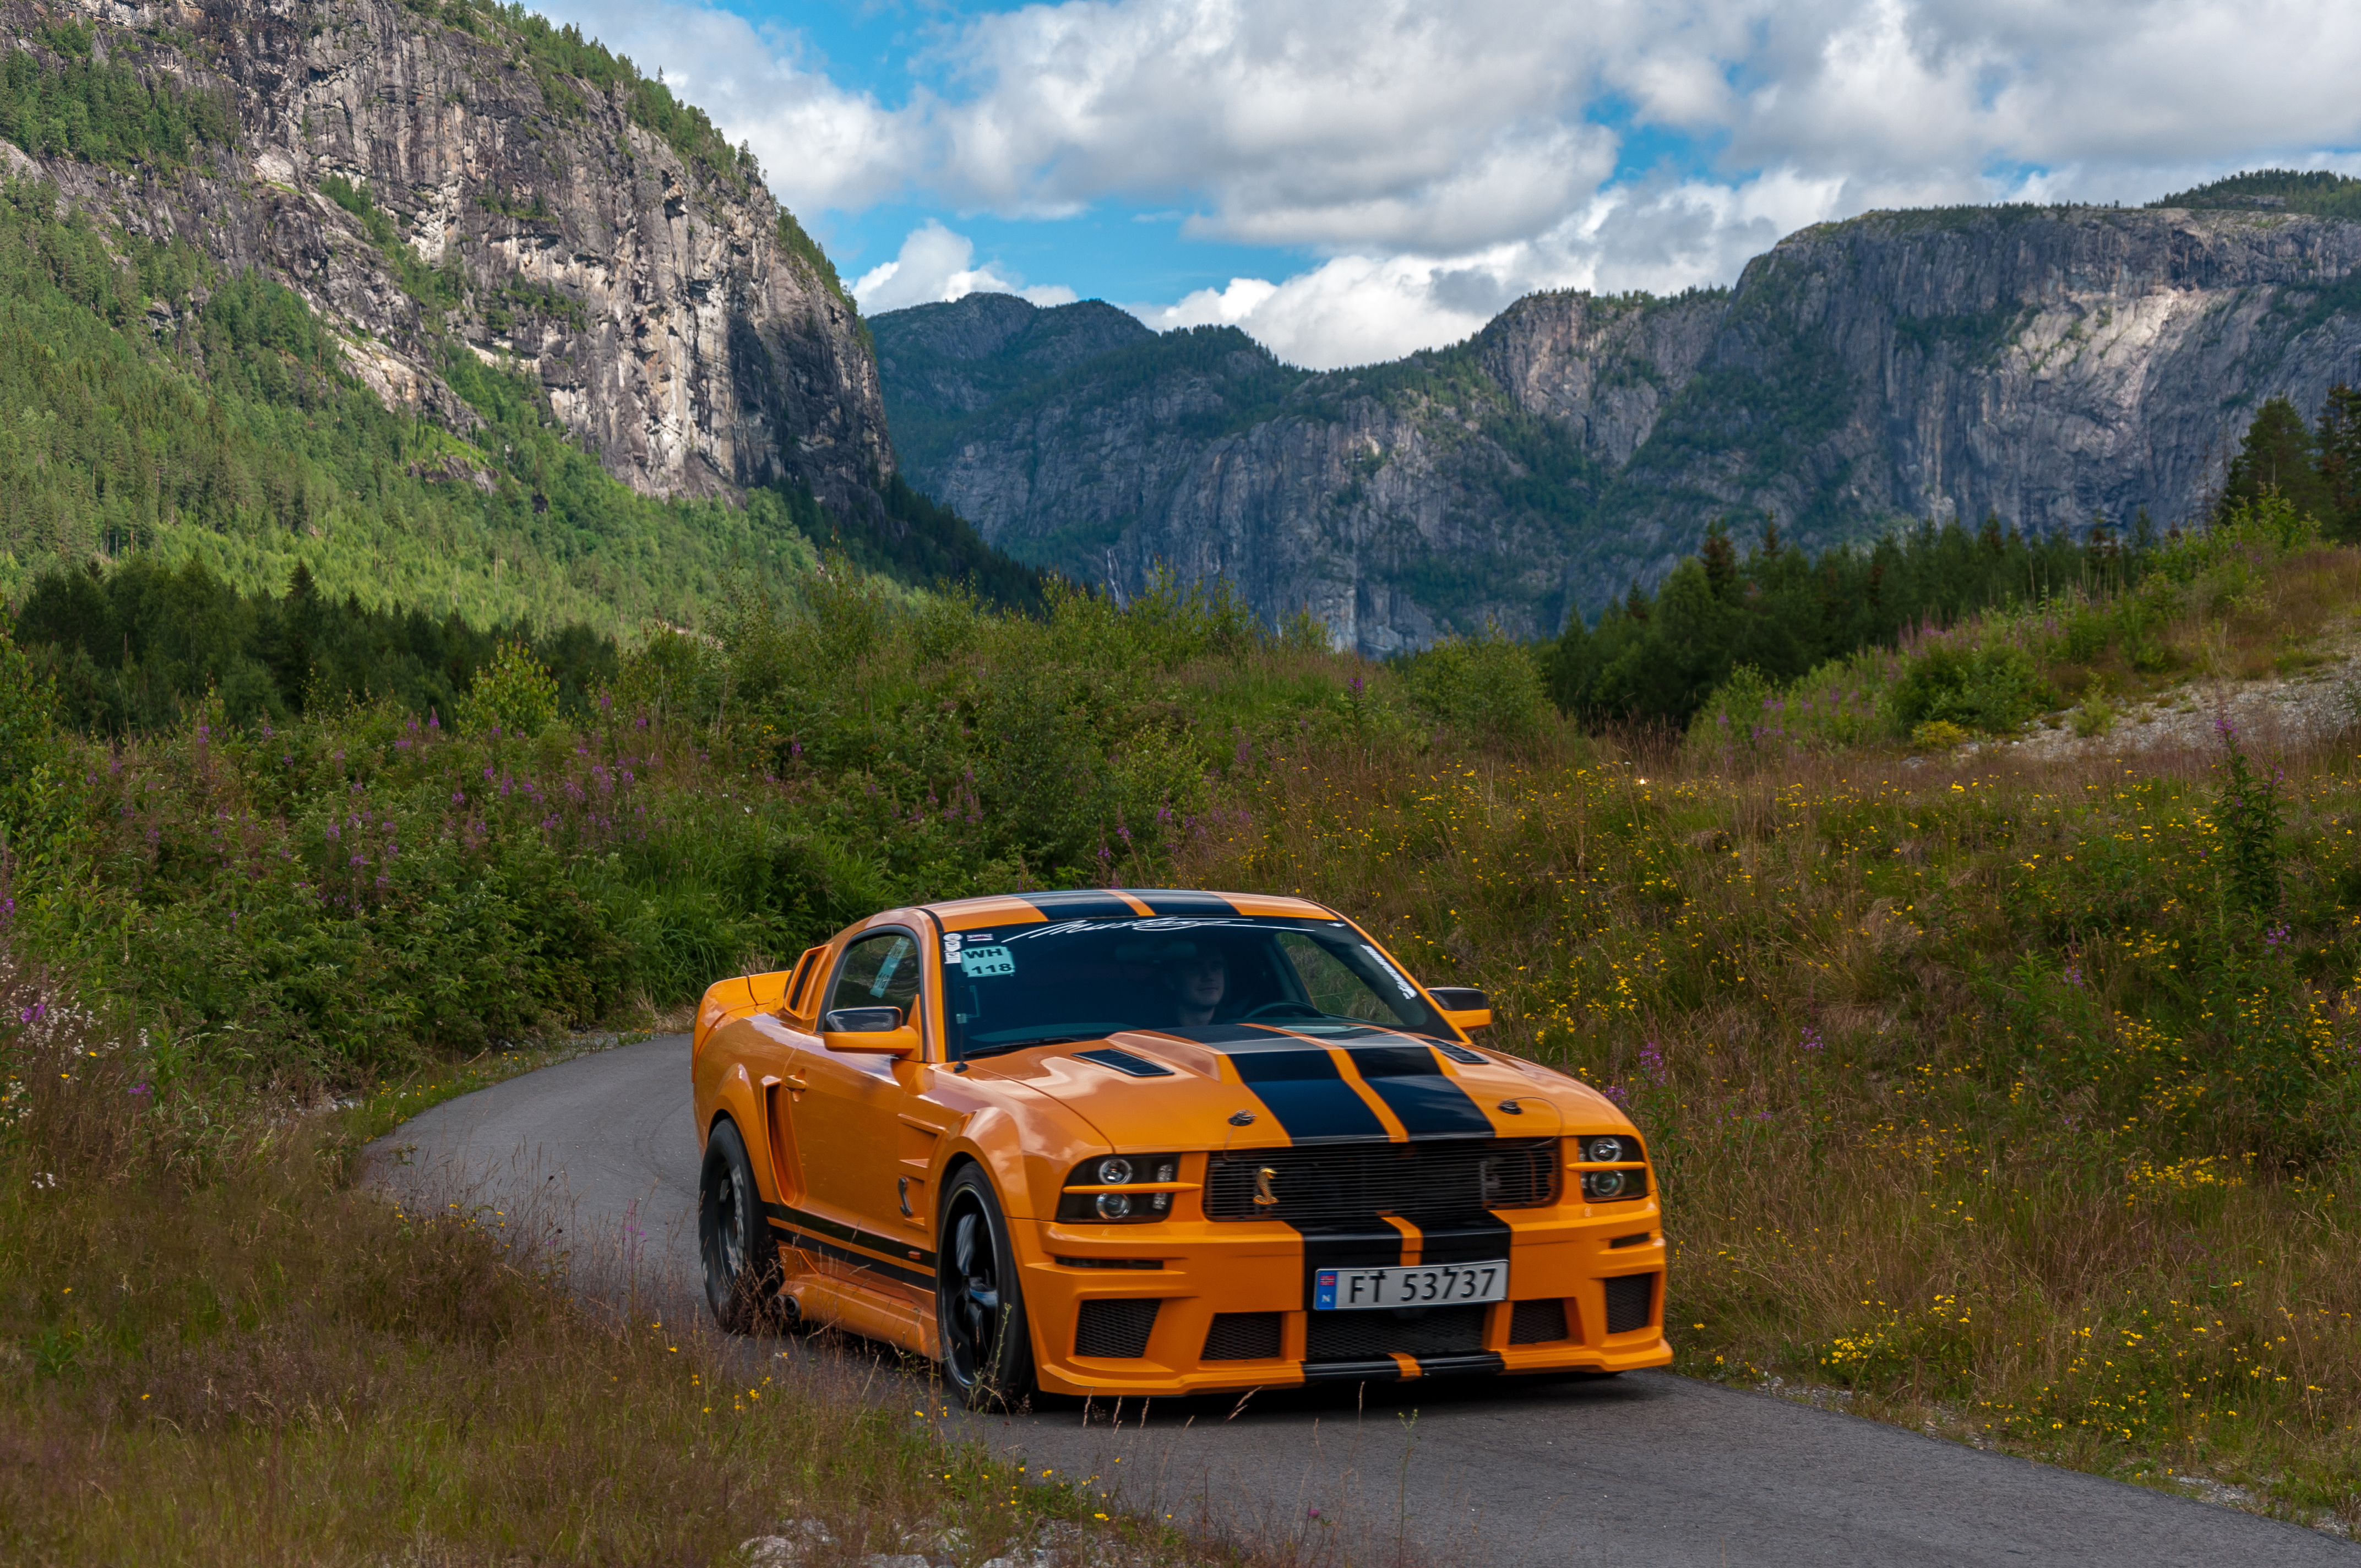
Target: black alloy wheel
(979, 1305)
(742, 1261)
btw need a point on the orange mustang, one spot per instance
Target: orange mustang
(1159, 1143)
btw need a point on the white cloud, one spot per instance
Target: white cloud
(936, 264)
(1436, 154)
(821, 146)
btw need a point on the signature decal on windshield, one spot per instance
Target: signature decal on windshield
(1140, 923)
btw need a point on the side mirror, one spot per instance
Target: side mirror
(1464, 1007)
(875, 1031)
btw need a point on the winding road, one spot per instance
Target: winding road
(1649, 1468)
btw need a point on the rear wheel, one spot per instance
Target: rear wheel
(979, 1305)
(742, 1261)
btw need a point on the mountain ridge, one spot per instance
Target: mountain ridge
(2041, 365)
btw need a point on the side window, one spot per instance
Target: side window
(881, 969)
(800, 989)
(1333, 987)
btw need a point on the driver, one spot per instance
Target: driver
(1196, 979)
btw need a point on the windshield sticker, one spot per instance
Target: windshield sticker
(951, 941)
(885, 970)
(1145, 923)
(981, 963)
(1404, 985)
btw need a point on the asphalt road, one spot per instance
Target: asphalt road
(1647, 1468)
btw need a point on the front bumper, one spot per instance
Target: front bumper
(1218, 1289)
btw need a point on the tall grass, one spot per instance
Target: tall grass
(216, 1349)
(2020, 1099)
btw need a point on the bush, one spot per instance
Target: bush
(1488, 689)
(1989, 691)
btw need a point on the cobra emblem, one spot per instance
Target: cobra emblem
(1265, 1197)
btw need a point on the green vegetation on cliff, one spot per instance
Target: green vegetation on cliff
(2314, 190)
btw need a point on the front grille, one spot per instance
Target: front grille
(1243, 1336)
(1537, 1322)
(1118, 1330)
(1419, 1180)
(1631, 1302)
(1417, 1330)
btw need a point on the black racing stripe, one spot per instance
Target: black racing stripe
(1080, 906)
(1476, 1237)
(822, 1225)
(1461, 1365)
(1415, 1088)
(1171, 901)
(1304, 1090)
(797, 1237)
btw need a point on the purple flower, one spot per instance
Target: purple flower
(1812, 1041)
(1652, 1062)
(139, 1092)
(1352, 685)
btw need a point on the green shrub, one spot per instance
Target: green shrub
(1989, 691)
(1487, 688)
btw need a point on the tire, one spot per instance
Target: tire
(979, 1303)
(733, 1239)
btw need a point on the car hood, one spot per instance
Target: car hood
(1247, 1086)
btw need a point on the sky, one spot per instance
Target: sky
(1348, 182)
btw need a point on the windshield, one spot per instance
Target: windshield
(1079, 980)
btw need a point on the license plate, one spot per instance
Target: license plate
(1419, 1285)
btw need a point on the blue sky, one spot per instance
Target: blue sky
(1350, 180)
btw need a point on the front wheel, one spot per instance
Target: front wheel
(742, 1261)
(979, 1305)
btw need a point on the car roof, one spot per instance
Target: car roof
(1114, 902)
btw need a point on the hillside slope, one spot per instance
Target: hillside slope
(2042, 364)
(521, 250)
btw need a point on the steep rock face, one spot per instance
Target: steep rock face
(2038, 364)
(681, 327)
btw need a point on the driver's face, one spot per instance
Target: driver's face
(1199, 982)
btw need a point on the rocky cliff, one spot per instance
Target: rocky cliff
(455, 179)
(2043, 364)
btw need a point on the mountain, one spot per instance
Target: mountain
(2042, 364)
(463, 308)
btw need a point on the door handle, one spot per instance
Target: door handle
(796, 1083)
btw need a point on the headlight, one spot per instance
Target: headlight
(1118, 1208)
(1613, 1186)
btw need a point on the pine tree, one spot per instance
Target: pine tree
(2279, 455)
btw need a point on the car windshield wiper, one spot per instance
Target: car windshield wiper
(1002, 1047)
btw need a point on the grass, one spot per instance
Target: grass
(214, 1348)
(2013, 1096)
(2008, 1098)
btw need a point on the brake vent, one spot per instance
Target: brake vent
(1537, 1322)
(1631, 1302)
(1642, 1239)
(1243, 1336)
(1116, 1330)
(1363, 1336)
